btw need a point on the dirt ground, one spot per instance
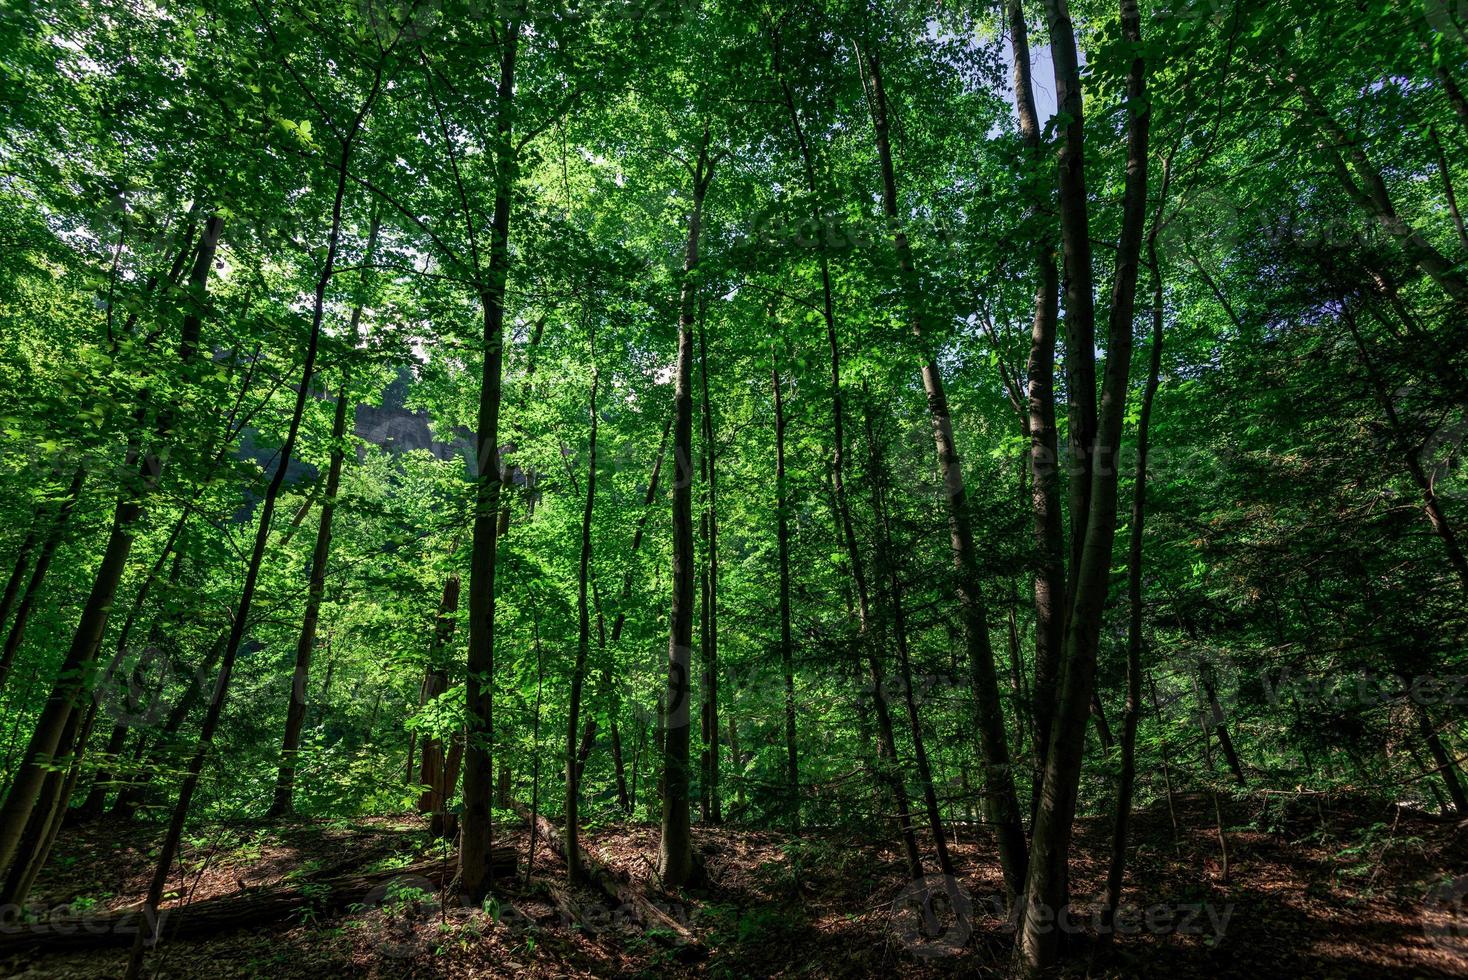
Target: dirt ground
(1310, 886)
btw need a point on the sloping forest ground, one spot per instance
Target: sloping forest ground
(1319, 885)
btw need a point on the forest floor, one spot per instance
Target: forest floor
(1314, 886)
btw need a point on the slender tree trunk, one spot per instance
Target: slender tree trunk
(295, 717)
(1131, 718)
(169, 849)
(1103, 727)
(787, 643)
(1079, 282)
(574, 871)
(1045, 508)
(1217, 719)
(736, 757)
(676, 863)
(535, 745)
(1002, 806)
(1047, 886)
(432, 764)
(1448, 191)
(887, 560)
(886, 738)
(1446, 767)
(476, 867)
(711, 598)
(624, 795)
(1166, 757)
(886, 748)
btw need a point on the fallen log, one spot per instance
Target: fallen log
(621, 890)
(309, 897)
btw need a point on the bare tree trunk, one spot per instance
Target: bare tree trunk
(22, 562)
(1045, 508)
(1217, 719)
(1103, 727)
(535, 744)
(710, 635)
(1002, 806)
(169, 849)
(626, 797)
(96, 799)
(476, 870)
(1079, 283)
(886, 738)
(1131, 718)
(787, 643)
(574, 871)
(676, 863)
(736, 756)
(1446, 767)
(888, 561)
(295, 717)
(1047, 886)
(432, 764)
(886, 747)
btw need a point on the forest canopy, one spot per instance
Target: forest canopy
(757, 460)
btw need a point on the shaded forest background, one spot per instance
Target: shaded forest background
(1012, 442)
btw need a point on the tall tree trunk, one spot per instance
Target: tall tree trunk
(476, 867)
(189, 785)
(1446, 767)
(1046, 891)
(295, 716)
(1079, 282)
(73, 676)
(610, 689)
(1131, 717)
(574, 871)
(787, 643)
(887, 560)
(833, 344)
(676, 864)
(432, 764)
(736, 757)
(710, 634)
(887, 770)
(1001, 804)
(1045, 508)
